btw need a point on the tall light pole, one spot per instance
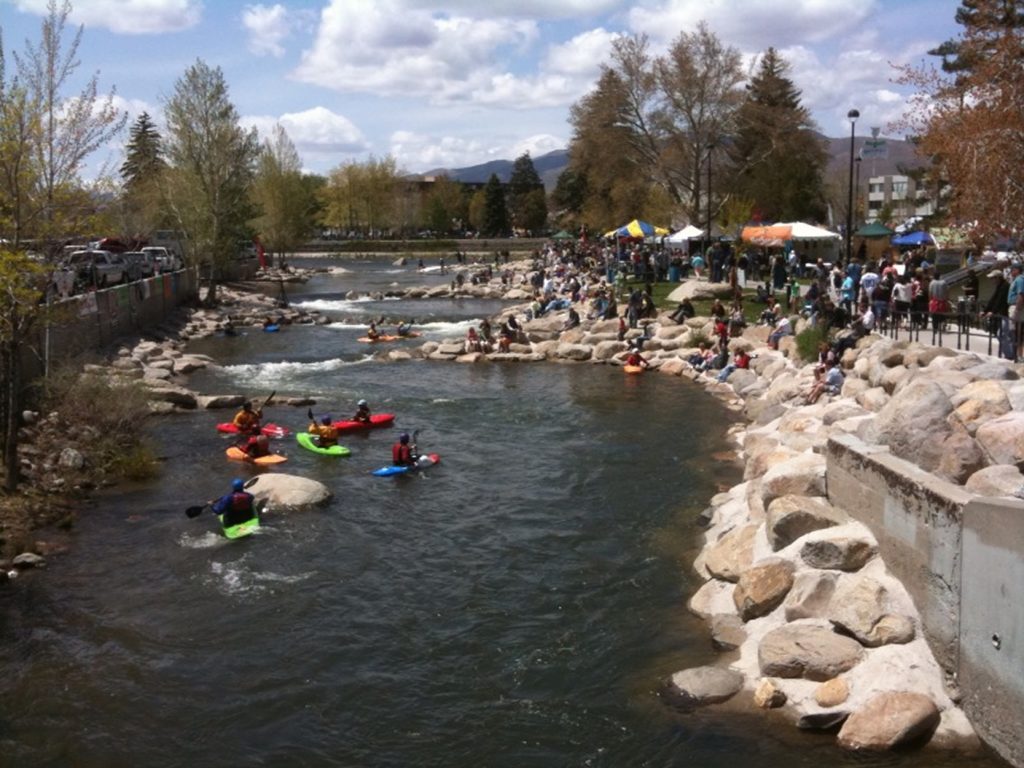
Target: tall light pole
(852, 116)
(856, 198)
(709, 148)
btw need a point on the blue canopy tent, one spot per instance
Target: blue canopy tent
(914, 238)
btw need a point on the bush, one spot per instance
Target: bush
(807, 342)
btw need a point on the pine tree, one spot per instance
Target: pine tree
(528, 209)
(495, 223)
(778, 157)
(143, 160)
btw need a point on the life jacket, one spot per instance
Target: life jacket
(247, 421)
(401, 454)
(239, 510)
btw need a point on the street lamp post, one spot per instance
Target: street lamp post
(852, 116)
(709, 148)
(856, 197)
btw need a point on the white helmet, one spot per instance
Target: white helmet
(361, 403)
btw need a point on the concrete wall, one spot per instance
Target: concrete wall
(961, 557)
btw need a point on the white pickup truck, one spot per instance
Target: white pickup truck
(97, 268)
(165, 260)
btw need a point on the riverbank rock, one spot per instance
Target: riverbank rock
(727, 632)
(700, 686)
(839, 554)
(767, 695)
(807, 650)
(732, 554)
(289, 490)
(832, 692)
(860, 607)
(791, 517)
(803, 475)
(762, 588)
(810, 596)
(890, 720)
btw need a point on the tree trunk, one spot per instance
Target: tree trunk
(13, 402)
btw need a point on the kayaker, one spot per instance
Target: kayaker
(256, 446)
(325, 433)
(404, 329)
(248, 420)
(363, 412)
(636, 359)
(403, 453)
(236, 507)
(372, 332)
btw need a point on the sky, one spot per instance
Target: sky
(458, 83)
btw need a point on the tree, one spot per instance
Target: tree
(967, 115)
(142, 174)
(445, 206)
(282, 197)
(495, 222)
(362, 196)
(71, 128)
(526, 199)
(19, 167)
(211, 161)
(778, 158)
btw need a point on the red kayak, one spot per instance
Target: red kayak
(376, 420)
(270, 430)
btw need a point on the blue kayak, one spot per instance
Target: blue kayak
(424, 461)
(271, 328)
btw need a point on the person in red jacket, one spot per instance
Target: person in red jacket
(403, 453)
(256, 446)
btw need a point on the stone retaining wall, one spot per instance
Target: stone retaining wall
(961, 558)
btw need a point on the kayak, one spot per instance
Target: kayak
(270, 430)
(382, 337)
(633, 368)
(237, 454)
(272, 328)
(376, 420)
(425, 460)
(242, 529)
(306, 441)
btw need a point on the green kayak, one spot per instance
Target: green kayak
(307, 441)
(241, 529)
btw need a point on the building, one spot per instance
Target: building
(903, 196)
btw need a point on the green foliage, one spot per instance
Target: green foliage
(445, 206)
(362, 197)
(137, 461)
(284, 200)
(495, 221)
(807, 342)
(526, 199)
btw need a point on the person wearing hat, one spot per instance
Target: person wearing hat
(236, 507)
(363, 412)
(1015, 300)
(325, 433)
(995, 313)
(403, 453)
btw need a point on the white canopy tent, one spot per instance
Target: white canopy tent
(689, 232)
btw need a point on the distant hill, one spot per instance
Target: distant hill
(902, 154)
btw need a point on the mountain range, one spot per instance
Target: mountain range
(901, 155)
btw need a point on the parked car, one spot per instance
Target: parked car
(97, 268)
(165, 260)
(140, 264)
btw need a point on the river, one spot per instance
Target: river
(518, 604)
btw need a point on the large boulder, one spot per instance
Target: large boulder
(889, 720)
(802, 475)
(843, 553)
(732, 554)
(960, 457)
(792, 516)
(727, 632)
(807, 650)
(1002, 439)
(762, 588)
(700, 686)
(997, 480)
(810, 596)
(860, 607)
(699, 289)
(289, 490)
(913, 422)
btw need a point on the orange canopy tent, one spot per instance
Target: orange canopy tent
(774, 234)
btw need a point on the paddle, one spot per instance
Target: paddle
(196, 511)
(266, 402)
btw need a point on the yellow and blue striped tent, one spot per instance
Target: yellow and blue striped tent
(637, 228)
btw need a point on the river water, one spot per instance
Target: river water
(518, 604)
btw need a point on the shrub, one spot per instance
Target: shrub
(807, 342)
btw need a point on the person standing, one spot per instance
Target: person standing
(995, 312)
(1015, 301)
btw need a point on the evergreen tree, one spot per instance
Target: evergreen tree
(495, 223)
(143, 160)
(528, 209)
(777, 156)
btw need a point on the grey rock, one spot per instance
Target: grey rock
(732, 554)
(997, 480)
(860, 608)
(700, 686)
(71, 458)
(727, 632)
(29, 560)
(793, 516)
(810, 596)
(839, 554)
(810, 651)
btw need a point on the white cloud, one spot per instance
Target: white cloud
(268, 26)
(317, 131)
(753, 24)
(417, 152)
(128, 17)
(530, 9)
(581, 56)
